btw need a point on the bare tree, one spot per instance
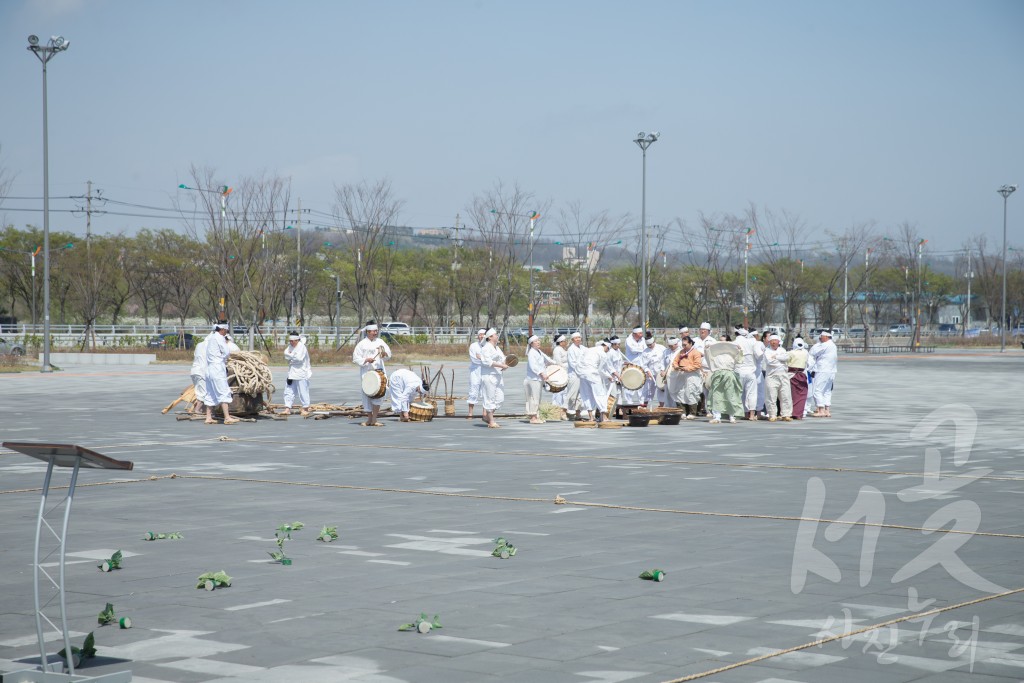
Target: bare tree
(500, 218)
(367, 211)
(584, 237)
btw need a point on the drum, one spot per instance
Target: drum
(558, 379)
(511, 360)
(632, 376)
(660, 379)
(422, 412)
(375, 383)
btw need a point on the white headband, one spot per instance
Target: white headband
(673, 341)
(481, 331)
(370, 328)
(559, 339)
(490, 332)
(775, 337)
(532, 339)
(825, 333)
(605, 344)
(220, 326)
(294, 337)
(638, 330)
(705, 326)
(577, 335)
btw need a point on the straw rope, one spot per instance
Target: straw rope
(251, 372)
(848, 634)
(558, 500)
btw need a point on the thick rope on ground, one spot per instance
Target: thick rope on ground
(251, 374)
(848, 634)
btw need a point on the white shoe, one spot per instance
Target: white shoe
(714, 421)
(732, 420)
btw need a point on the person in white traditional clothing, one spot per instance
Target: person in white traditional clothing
(217, 389)
(198, 374)
(798, 358)
(492, 383)
(369, 355)
(614, 359)
(759, 349)
(780, 396)
(671, 379)
(402, 386)
(746, 370)
(636, 345)
(654, 363)
(299, 372)
(474, 372)
(561, 358)
(594, 375)
(536, 372)
(574, 354)
(826, 357)
(704, 337)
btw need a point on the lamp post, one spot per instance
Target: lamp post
(1006, 191)
(45, 53)
(533, 216)
(643, 141)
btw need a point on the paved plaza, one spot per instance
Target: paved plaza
(772, 536)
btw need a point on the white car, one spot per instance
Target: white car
(397, 329)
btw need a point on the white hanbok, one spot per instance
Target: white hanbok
(574, 354)
(378, 350)
(746, 370)
(634, 354)
(299, 372)
(198, 372)
(492, 382)
(474, 372)
(561, 358)
(217, 353)
(594, 379)
(536, 362)
(402, 386)
(826, 360)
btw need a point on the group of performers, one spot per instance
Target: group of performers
(749, 376)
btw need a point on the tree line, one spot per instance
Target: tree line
(248, 258)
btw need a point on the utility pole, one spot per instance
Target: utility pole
(970, 276)
(455, 267)
(298, 267)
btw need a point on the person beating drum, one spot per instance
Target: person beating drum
(536, 366)
(369, 355)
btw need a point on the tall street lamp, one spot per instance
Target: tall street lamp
(45, 53)
(643, 141)
(1006, 191)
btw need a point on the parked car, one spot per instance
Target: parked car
(837, 333)
(521, 334)
(901, 330)
(857, 332)
(171, 340)
(946, 329)
(975, 332)
(396, 328)
(9, 348)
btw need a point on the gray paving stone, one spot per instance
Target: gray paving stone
(570, 602)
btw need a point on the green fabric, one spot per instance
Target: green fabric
(726, 393)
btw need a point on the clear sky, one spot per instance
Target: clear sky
(841, 112)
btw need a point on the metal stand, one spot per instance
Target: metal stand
(46, 546)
